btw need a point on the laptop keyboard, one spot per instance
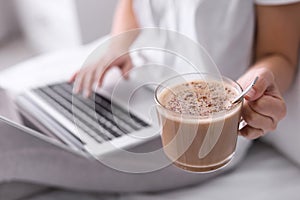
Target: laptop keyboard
(96, 116)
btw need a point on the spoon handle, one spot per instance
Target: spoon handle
(235, 100)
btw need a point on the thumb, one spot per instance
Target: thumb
(126, 69)
(258, 90)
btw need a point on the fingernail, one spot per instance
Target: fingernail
(86, 94)
(75, 90)
(251, 93)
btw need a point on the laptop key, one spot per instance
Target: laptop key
(111, 107)
(76, 114)
(69, 116)
(104, 115)
(117, 111)
(98, 117)
(105, 127)
(107, 124)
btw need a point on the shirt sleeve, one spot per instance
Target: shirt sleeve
(275, 2)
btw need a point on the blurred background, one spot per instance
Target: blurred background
(32, 27)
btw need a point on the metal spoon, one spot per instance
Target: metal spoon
(236, 99)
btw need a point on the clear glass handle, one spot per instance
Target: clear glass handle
(242, 124)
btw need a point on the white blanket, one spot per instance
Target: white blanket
(264, 175)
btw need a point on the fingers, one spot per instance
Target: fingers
(124, 63)
(262, 116)
(72, 79)
(264, 105)
(258, 120)
(88, 83)
(269, 106)
(84, 80)
(79, 81)
(265, 81)
(100, 74)
(126, 69)
(251, 133)
(88, 76)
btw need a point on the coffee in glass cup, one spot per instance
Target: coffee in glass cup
(199, 124)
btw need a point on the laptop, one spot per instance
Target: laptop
(117, 117)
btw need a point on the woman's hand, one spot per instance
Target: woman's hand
(264, 106)
(88, 76)
(124, 20)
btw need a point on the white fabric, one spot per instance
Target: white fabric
(8, 109)
(231, 71)
(225, 29)
(275, 2)
(35, 157)
(264, 175)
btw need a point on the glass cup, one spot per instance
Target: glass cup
(198, 143)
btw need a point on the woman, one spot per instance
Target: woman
(275, 26)
(245, 38)
(269, 27)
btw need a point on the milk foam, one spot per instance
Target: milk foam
(199, 98)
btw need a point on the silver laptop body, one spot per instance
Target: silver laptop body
(134, 100)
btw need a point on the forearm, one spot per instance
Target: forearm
(124, 18)
(277, 42)
(124, 21)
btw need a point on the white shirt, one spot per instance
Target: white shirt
(226, 29)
